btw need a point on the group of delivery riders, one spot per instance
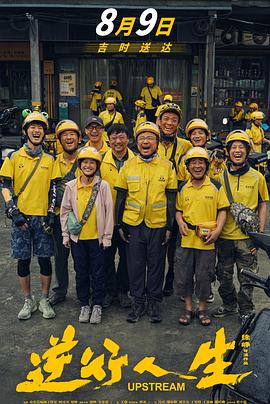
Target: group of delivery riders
(169, 199)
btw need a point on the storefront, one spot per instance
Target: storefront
(73, 56)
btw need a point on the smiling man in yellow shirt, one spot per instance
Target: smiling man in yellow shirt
(201, 213)
(29, 193)
(248, 186)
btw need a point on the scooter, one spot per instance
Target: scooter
(255, 388)
(10, 121)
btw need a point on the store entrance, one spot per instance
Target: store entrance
(170, 74)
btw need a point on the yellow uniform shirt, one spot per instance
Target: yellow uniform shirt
(256, 133)
(146, 184)
(141, 117)
(111, 92)
(181, 148)
(107, 117)
(94, 101)
(34, 199)
(237, 116)
(200, 205)
(109, 171)
(61, 168)
(89, 230)
(249, 189)
(103, 149)
(145, 95)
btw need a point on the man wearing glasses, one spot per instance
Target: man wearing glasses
(116, 282)
(94, 129)
(145, 209)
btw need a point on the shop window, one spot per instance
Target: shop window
(242, 79)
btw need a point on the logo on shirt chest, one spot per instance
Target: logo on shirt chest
(210, 197)
(161, 178)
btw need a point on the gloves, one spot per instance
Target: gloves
(49, 223)
(15, 215)
(167, 237)
(123, 232)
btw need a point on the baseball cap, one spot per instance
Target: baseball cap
(94, 119)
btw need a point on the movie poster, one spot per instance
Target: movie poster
(62, 361)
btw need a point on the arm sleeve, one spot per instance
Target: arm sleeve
(52, 196)
(64, 211)
(171, 197)
(179, 200)
(222, 202)
(120, 205)
(108, 230)
(263, 191)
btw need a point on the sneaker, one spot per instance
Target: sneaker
(84, 314)
(46, 309)
(137, 312)
(124, 301)
(108, 299)
(211, 298)
(55, 299)
(96, 314)
(224, 311)
(29, 307)
(153, 311)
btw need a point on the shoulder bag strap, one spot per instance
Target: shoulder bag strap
(227, 187)
(91, 202)
(109, 124)
(72, 170)
(172, 158)
(28, 178)
(150, 93)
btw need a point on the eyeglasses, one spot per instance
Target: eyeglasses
(147, 138)
(96, 127)
(120, 137)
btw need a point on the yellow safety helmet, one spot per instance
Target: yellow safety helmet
(257, 115)
(196, 123)
(66, 124)
(140, 103)
(147, 127)
(110, 100)
(36, 117)
(98, 83)
(237, 135)
(168, 97)
(114, 83)
(254, 106)
(89, 152)
(196, 152)
(238, 104)
(170, 107)
(150, 80)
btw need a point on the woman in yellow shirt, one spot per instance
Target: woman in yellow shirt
(87, 247)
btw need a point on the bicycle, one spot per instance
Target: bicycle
(255, 388)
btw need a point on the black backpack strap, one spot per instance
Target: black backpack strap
(227, 187)
(172, 158)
